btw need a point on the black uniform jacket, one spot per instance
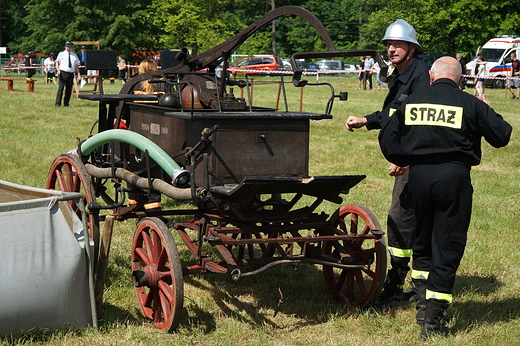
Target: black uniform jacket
(414, 77)
(441, 124)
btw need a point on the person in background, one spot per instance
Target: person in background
(437, 132)
(67, 67)
(410, 74)
(49, 67)
(377, 71)
(480, 72)
(514, 81)
(145, 87)
(462, 63)
(369, 70)
(30, 60)
(361, 74)
(81, 57)
(121, 66)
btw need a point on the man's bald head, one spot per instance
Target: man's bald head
(446, 67)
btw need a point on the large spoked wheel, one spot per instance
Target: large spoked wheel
(157, 274)
(68, 173)
(362, 284)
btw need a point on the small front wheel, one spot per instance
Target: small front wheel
(157, 274)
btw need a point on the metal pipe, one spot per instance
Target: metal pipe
(180, 177)
(183, 194)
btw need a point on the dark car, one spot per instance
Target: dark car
(430, 58)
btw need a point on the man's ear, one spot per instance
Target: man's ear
(412, 49)
(432, 76)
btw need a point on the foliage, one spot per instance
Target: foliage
(117, 25)
(443, 26)
(446, 26)
(194, 23)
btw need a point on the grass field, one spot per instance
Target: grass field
(219, 311)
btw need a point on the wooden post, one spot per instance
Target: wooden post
(301, 99)
(30, 86)
(104, 251)
(278, 96)
(10, 85)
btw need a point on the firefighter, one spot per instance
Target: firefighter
(410, 75)
(437, 132)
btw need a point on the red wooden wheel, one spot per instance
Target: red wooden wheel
(157, 273)
(68, 173)
(356, 286)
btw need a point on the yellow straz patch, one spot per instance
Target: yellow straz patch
(432, 114)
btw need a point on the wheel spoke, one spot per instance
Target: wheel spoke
(166, 291)
(350, 286)
(61, 180)
(148, 246)
(157, 246)
(341, 279)
(69, 176)
(353, 224)
(143, 255)
(165, 306)
(361, 283)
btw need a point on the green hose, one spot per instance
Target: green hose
(180, 177)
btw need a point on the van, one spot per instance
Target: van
(497, 53)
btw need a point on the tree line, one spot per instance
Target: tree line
(443, 26)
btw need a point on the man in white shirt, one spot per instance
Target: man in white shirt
(369, 70)
(67, 66)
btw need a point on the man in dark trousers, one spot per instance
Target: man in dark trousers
(437, 132)
(30, 60)
(410, 75)
(67, 67)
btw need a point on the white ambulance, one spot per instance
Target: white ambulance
(497, 53)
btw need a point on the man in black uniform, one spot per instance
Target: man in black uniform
(410, 75)
(438, 132)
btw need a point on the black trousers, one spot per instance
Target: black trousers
(442, 196)
(66, 81)
(401, 226)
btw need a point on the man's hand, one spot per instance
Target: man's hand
(395, 170)
(355, 123)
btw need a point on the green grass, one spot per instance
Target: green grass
(219, 311)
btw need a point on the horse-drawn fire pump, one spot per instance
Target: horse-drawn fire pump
(243, 167)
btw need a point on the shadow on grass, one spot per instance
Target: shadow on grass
(256, 300)
(472, 314)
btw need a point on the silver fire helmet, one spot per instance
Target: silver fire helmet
(400, 30)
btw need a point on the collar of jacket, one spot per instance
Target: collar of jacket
(404, 76)
(445, 81)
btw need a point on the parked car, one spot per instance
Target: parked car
(312, 67)
(430, 58)
(269, 62)
(329, 65)
(301, 63)
(351, 68)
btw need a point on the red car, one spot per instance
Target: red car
(268, 62)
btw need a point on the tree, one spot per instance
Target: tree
(195, 23)
(446, 26)
(117, 25)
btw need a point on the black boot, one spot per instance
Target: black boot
(392, 291)
(434, 318)
(419, 287)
